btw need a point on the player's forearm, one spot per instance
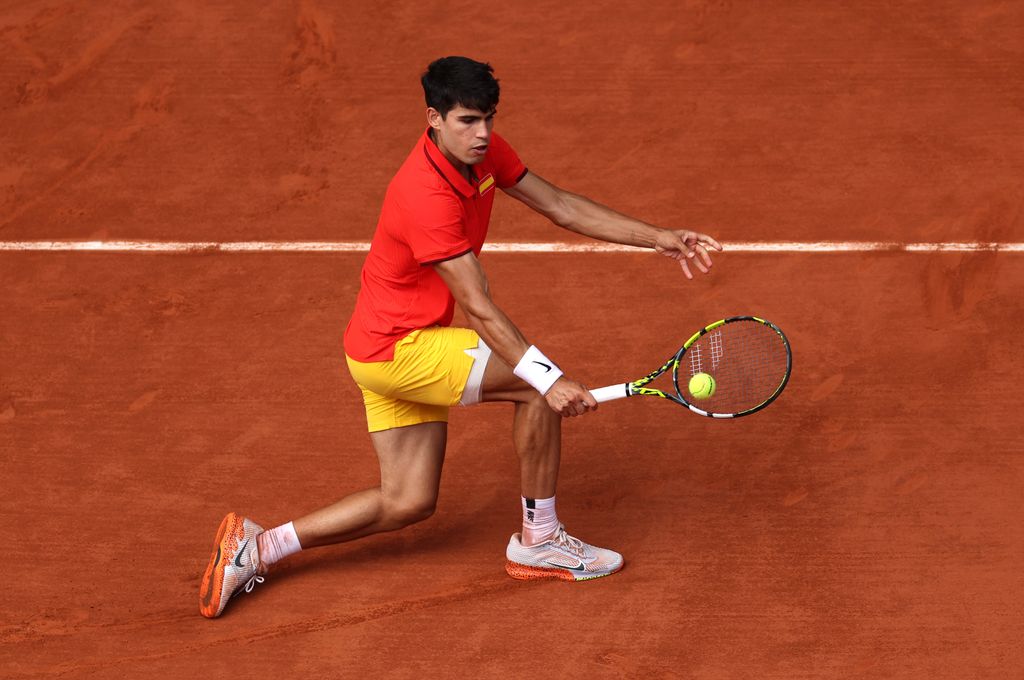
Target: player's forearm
(597, 221)
(527, 361)
(467, 283)
(496, 329)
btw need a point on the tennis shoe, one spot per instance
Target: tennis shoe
(562, 556)
(234, 565)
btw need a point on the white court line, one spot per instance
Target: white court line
(364, 246)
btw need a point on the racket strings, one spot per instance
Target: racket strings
(748, 361)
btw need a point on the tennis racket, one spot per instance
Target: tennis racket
(749, 359)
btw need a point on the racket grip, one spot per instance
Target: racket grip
(611, 392)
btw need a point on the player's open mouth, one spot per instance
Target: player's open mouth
(478, 150)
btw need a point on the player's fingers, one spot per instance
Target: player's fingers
(697, 262)
(588, 400)
(697, 249)
(705, 239)
(569, 408)
(557, 408)
(704, 255)
(686, 269)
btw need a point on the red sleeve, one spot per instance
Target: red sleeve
(435, 230)
(508, 169)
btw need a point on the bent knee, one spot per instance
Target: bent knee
(403, 512)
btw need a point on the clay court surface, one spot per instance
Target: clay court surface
(868, 524)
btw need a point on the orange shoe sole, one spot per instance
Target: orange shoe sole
(527, 573)
(213, 578)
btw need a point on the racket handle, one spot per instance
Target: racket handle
(611, 392)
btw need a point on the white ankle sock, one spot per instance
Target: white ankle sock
(539, 520)
(277, 544)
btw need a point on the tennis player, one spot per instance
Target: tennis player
(411, 366)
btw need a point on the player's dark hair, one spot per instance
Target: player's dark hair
(451, 81)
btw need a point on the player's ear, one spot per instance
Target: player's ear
(434, 118)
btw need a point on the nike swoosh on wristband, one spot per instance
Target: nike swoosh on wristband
(547, 368)
(238, 558)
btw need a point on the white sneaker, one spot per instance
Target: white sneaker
(234, 564)
(561, 556)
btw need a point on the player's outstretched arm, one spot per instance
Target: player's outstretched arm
(584, 216)
(466, 280)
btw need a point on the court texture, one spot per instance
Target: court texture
(186, 194)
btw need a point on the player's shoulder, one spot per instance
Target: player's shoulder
(500, 144)
(504, 162)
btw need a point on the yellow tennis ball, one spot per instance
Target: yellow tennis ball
(702, 386)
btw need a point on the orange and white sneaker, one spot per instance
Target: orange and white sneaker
(234, 565)
(561, 556)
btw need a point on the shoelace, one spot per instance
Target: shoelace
(572, 543)
(255, 578)
(251, 583)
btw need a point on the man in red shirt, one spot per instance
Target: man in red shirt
(412, 367)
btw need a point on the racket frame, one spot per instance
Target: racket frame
(637, 387)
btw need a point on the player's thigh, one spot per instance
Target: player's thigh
(387, 413)
(411, 459)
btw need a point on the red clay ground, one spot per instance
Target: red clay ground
(868, 524)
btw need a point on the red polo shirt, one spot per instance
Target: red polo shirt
(431, 213)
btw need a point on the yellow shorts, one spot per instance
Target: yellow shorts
(433, 369)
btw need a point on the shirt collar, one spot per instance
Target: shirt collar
(445, 168)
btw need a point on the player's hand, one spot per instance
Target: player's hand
(569, 398)
(687, 248)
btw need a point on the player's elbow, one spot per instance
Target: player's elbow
(562, 213)
(556, 205)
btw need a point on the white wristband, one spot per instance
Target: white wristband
(538, 370)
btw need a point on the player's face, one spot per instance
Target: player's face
(463, 135)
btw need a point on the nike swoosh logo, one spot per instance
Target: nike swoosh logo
(238, 558)
(578, 567)
(546, 366)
